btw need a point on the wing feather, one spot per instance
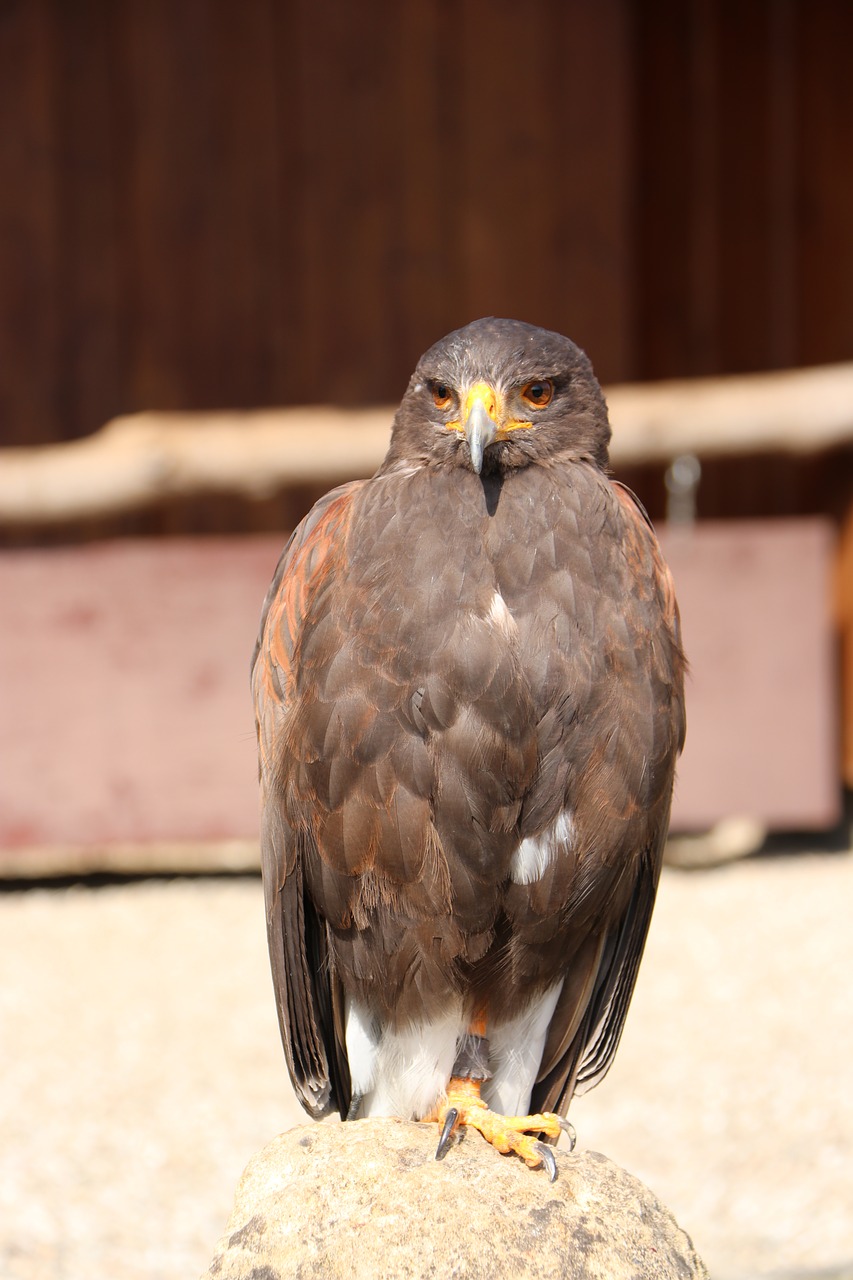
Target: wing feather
(307, 1001)
(590, 1051)
(588, 1020)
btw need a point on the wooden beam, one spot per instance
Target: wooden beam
(136, 461)
(797, 411)
(132, 858)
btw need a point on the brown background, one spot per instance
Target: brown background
(208, 204)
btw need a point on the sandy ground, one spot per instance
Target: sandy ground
(141, 1069)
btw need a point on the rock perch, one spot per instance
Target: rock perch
(367, 1200)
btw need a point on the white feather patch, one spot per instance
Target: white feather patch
(516, 1053)
(533, 856)
(411, 1067)
(499, 615)
(362, 1041)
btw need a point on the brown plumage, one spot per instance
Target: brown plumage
(469, 695)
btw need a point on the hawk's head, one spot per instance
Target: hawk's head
(498, 395)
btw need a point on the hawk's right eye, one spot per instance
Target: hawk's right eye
(441, 395)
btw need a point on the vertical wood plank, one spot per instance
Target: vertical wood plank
(87, 268)
(757, 151)
(168, 198)
(825, 38)
(208, 204)
(244, 210)
(543, 172)
(29, 238)
(704, 185)
(742, 156)
(426, 261)
(199, 203)
(785, 125)
(594, 248)
(349, 166)
(474, 160)
(663, 138)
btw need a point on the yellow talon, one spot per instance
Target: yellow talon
(464, 1106)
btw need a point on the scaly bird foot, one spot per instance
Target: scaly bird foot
(464, 1107)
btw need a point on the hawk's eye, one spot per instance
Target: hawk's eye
(538, 393)
(441, 395)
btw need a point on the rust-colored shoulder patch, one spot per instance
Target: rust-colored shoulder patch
(316, 546)
(642, 544)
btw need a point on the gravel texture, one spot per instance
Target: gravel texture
(142, 1069)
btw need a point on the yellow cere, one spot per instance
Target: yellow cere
(487, 397)
(494, 406)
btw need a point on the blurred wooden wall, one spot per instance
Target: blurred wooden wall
(744, 233)
(208, 204)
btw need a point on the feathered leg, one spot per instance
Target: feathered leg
(464, 1107)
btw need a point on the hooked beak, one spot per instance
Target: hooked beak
(479, 422)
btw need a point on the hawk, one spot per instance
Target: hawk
(469, 699)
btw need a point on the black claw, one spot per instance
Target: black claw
(569, 1129)
(444, 1141)
(354, 1106)
(548, 1159)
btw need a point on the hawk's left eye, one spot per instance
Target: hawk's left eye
(538, 393)
(441, 395)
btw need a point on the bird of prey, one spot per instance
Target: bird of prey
(469, 699)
